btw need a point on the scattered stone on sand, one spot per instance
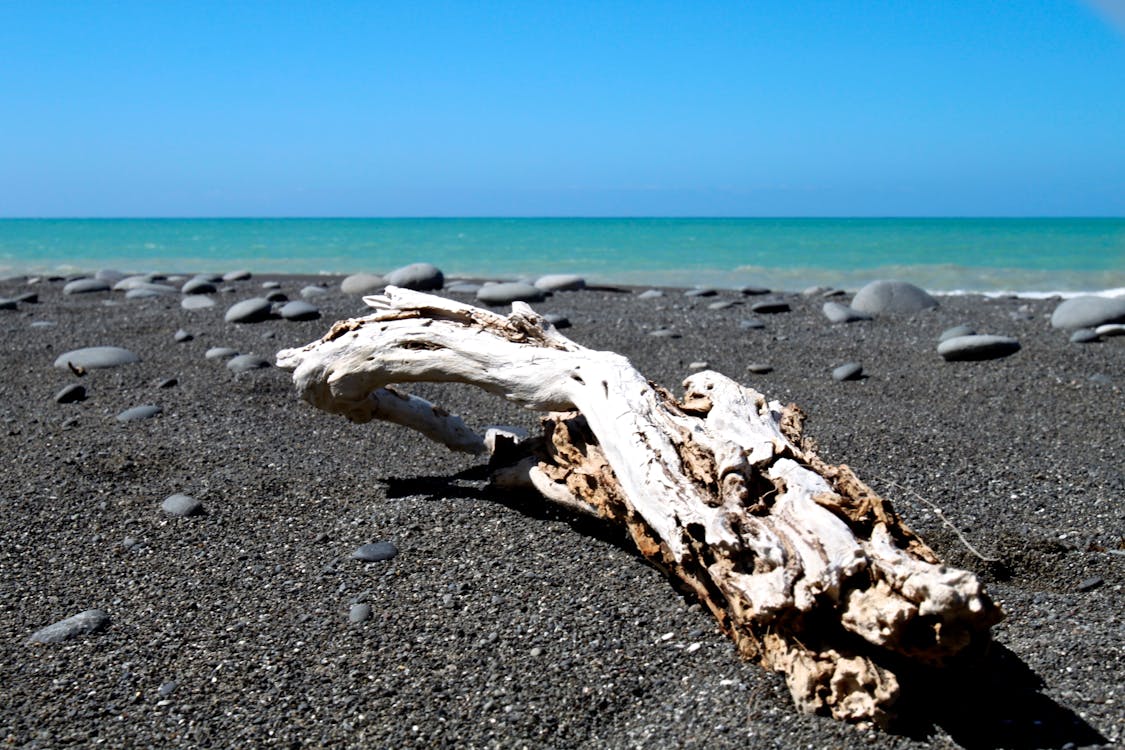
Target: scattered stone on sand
(84, 623)
(701, 291)
(422, 277)
(560, 282)
(71, 394)
(253, 310)
(167, 688)
(277, 295)
(137, 413)
(848, 371)
(1088, 312)
(1085, 336)
(955, 331)
(759, 368)
(237, 275)
(558, 320)
(94, 357)
(359, 612)
(838, 313)
(700, 365)
(1091, 583)
(359, 284)
(197, 302)
(271, 284)
(86, 286)
(312, 291)
(723, 304)
(198, 285)
(126, 283)
(752, 324)
(892, 297)
(111, 275)
(181, 336)
(168, 383)
(375, 551)
(220, 352)
(181, 506)
(8, 304)
(753, 291)
(663, 333)
(507, 292)
(1108, 330)
(977, 347)
(770, 307)
(299, 310)
(247, 362)
(651, 294)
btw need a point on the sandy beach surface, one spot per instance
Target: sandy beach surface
(504, 622)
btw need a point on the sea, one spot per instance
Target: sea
(1034, 257)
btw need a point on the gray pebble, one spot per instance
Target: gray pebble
(1089, 584)
(183, 336)
(360, 612)
(238, 275)
(848, 371)
(277, 296)
(84, 623)
(723, 304)
(650, 294)
(220, 352)
(8, 304)
(505, 293)
(770, 307)
(299, 310)
(1107, 330)
(86, 286)
(977, 347)
(362, 284)
(137, 413)
(955, 331)
(271, 284)
(753, 291)
(312, 291)
(463, 287)
(168, 383)
(94, 357)
(422, 277)
(664, 333)
(197, 302)
(247, 362)
(375, 551)
(71, 394)
(1088, 312)
(704, 291)
(198, 285)
(558, 321)
(181, 506)
(1085, 336)
(253, 310)
(167, 688)
(560, 282)
(892, 297)
(752, 324)
(837, 313)
(759, 368)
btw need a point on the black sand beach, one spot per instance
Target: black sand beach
(503, 623)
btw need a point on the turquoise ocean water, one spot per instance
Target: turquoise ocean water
(948, 255)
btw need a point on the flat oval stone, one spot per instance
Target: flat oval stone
(197, 302)
(703, 291)
(770, 307)
(421, 277)
(892, 297)
(759, 368)
(239, 275)
(220, 352)
(753, 291)
(848, 371)
(253, 310)
(182, 336)
(8, 304)
(375, 551)
(463, 287)
(558, 320)
(507, 292)
(181, 506)
(83, 623)
(955, 331)
(1085, 336)
(560, 282)
(145, 411)
(977, 347)
(247, 362)
(111, 275)
(360, 612)
(1110, 329)
(71, 394)
(752, 324)
(651, 294)
(93, 357)
(198, 285)
(299, 310)
(362, 283)
(312, 291)
(143, 291)
(1088, 312)
(86, 286)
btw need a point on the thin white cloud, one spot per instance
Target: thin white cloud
(1110, 11)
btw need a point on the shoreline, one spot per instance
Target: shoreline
(503, 623)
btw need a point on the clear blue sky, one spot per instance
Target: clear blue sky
(738, 108)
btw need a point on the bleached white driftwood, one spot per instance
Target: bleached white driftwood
(802, 564)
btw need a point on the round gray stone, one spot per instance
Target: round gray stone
(651, 294)
(181, 506)
(143, 290)
(977, 347)
(247, 362)
(360, 612)
(220, 352)
(1108, 330)
(86, 286)
(362, 283)
(271, 284)
(837, 313)
(1088, 312)
(848, 371)
(560, 282)
(238, 275)
(137, 413)
(299, 310)
(892, 297)
(375, 551)
(1085, 336)
(507, 292)
(558, 320)
(421, 277)
(109, 274)
(198, 285)
(83, 623)
(276, 295)
(197, 302)
(312, 291)
(253, 310)
(463, 287)
(94, 357)
(71, 394)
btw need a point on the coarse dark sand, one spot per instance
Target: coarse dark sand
(504, 622)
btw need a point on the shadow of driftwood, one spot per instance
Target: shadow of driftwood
(996, 702)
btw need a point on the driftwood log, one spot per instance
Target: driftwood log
(802, 565)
